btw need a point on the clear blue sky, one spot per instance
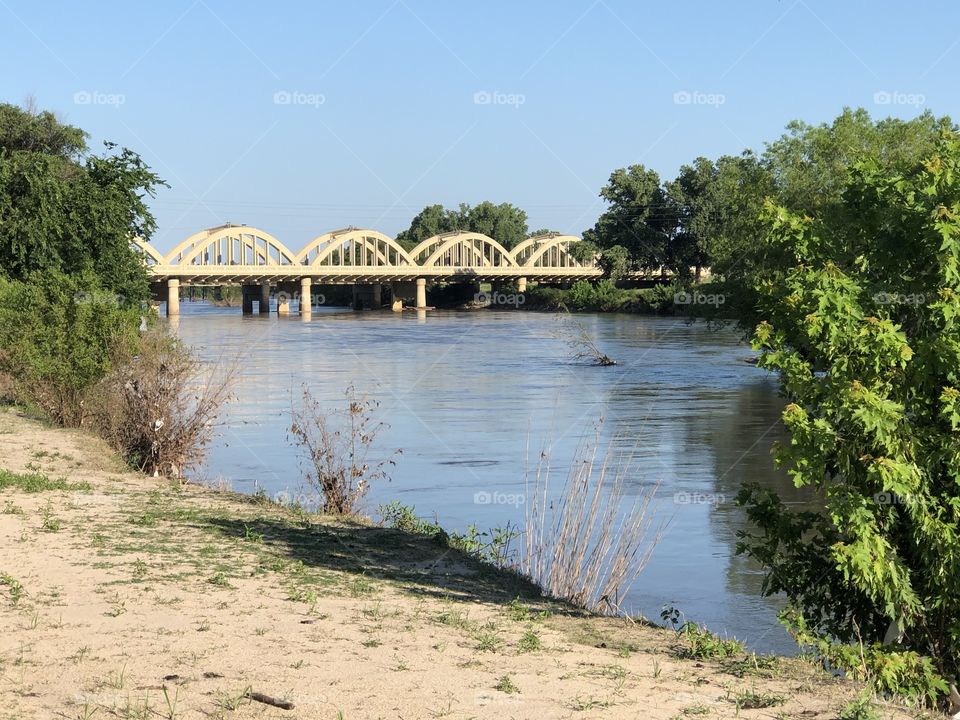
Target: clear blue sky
(302, 117)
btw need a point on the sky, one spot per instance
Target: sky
(304, 117)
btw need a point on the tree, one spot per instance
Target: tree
(863, 325)
(641, 217)
(432, 220)
(63, 212)
(504, 223)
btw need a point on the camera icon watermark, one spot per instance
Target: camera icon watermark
(297, 97)
(699, 298)
(99, 297)
(499, 498)
(95, 97)
(696, 97)
(885, 298)
(682, 497)
(283, 297)
(498, 298)
(896, 97)
(495, 97)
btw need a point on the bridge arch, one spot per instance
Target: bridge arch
(231, 245)
(354, 246)
(150, 255)
(549, 250)
(461, 249)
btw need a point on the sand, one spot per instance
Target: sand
(132, 597)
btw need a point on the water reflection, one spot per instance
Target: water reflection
(472, 398)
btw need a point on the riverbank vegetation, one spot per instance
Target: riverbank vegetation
(77, 337)
(837, 249)
(127, 596)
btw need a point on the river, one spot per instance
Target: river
(472, 397)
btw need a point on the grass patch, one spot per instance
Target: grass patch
(701, 644)
(753, 700)
(529, 642)
(36, 482)
(506, 685)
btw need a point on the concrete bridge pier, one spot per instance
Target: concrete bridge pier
(421, 293)
(247, 293)
(283, 300)
(522, 285)
(306, 299)
(264, 298)
(173, 297)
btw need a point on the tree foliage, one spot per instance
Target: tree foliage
(505, 223)
(62, 210)
(862, 323)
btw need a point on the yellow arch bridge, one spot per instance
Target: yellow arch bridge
(367, 259)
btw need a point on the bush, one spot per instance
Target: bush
(863, 326)
(337, 445)
(158, 408)
(59, 335)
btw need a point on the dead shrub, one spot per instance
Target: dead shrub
(588, 544)
(159, 408)
(337, 445)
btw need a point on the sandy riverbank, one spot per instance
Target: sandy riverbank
(130, 597)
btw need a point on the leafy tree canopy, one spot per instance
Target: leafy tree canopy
(64, 210)
(862, 323)
(504, 223)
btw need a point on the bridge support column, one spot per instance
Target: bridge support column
(522, 285)
(283, 302)
(421, 293)
(173, 297)
(377, 296)
(246, 294)
(306, 299)
(264, 298)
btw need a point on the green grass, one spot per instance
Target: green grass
(488, 642)
(529, 642)
(15, 586)
(860, 709)
(36, 482)
(701, 644)
(752, 700)
(506, 685)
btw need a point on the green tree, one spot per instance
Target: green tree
(65, 211)
(641, 218)
(504, 223)
(862, 323)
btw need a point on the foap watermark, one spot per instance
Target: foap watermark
(298, 97)
(282, 297)
(885, 298)
(98, 297)
(890, 498)
(897, 97)
(682, 497)
(306, 501)
(498, 298)
(498, 498)
(696, 97)
(495, 97)
(96, 97)
(699, 298)
(483, 698)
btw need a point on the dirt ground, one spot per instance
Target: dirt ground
(129, 597)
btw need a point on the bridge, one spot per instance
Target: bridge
(367, 259)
